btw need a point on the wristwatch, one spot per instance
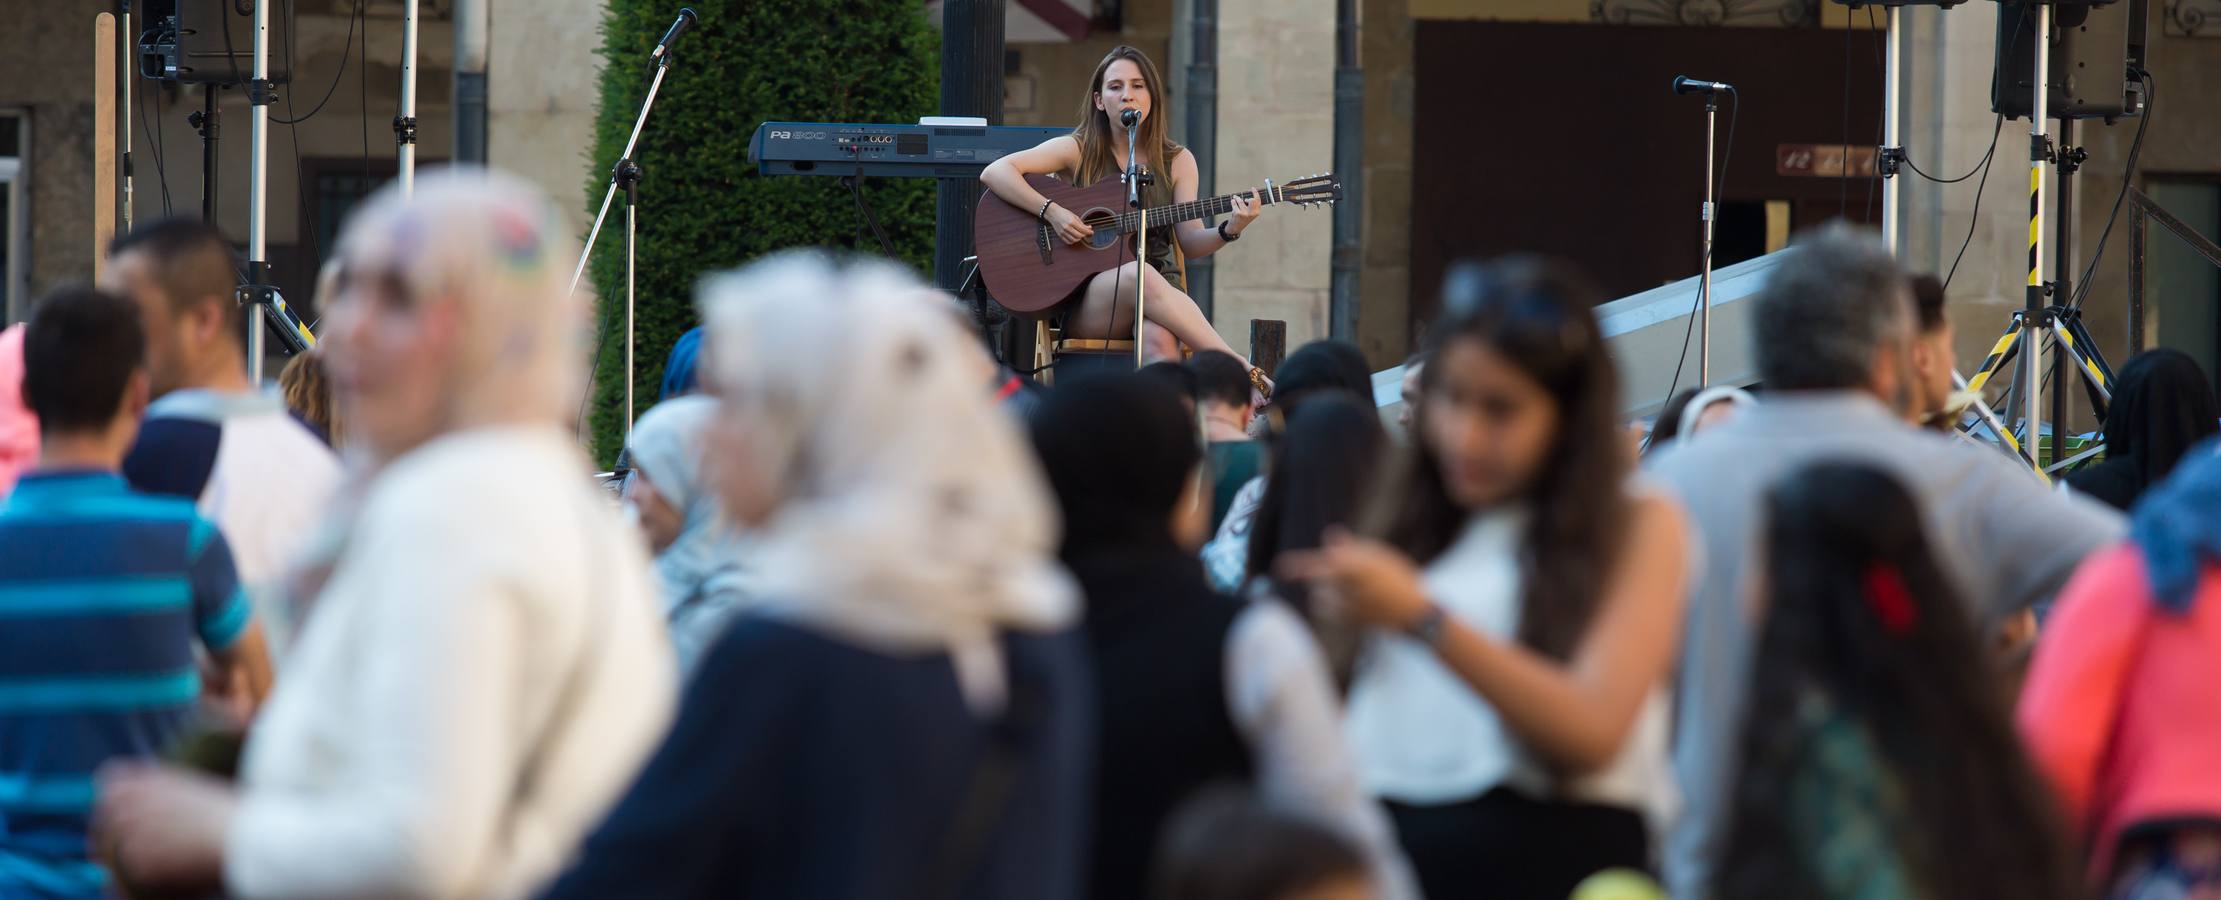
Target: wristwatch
(1428, 628)
(1229, 238)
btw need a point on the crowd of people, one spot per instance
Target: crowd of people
(901, 626)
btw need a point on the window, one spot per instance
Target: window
(337, 195)
(2182, 291)
(15, 258)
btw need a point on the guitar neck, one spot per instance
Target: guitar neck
(1189, 211)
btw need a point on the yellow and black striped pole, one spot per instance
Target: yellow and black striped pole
(1999, 353)
(2034, 320)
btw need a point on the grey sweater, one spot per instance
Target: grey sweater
(2005, 539)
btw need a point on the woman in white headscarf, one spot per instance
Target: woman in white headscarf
(484, 668)
(698, 554)
(905, 712)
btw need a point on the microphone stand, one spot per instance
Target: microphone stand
(625, 174)
(1704, 284)
(1141, 239)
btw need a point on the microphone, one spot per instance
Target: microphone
(686, 19)
(1683, 84)
(1129, 117)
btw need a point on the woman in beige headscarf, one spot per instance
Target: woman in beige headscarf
(484, 667)
(905, 710)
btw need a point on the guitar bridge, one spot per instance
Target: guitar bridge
(1041, 241)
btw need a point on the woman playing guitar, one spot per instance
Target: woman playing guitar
(1126, 79)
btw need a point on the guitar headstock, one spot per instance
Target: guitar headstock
(1317, 190)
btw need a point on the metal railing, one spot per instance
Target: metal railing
(2141, 208)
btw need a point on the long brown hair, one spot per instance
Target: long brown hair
(1536, 315)
(1865, 643)
(1094, 133)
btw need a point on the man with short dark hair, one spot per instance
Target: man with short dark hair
(1222, 398)
(210, 434)
(1832, 333)
(105, 590)
(1933, 357)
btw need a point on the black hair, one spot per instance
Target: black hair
(1321, 366)
(1220, 378)
(1174, 375)
(1227, 845)
(1927, 302)
(1668, 425)
(1118, 451)
(2163, 406)
(192, 263)
(1537, 316)
(1321, 471)
(79, 352)
(1863, 631)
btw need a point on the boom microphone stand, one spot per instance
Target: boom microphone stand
(626, 173)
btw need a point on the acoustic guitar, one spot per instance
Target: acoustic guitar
(1030, 269)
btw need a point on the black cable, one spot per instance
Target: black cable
(156, 142)
(1843, 184)
(307, 220)
(2128, 173)
(1719, 189)
(347, 48)
(1981, 165)
(1975, 218)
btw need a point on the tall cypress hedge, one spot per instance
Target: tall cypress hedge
(702, 206)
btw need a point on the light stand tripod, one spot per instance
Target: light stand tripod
(626, 174)
(404, 125)
(2036, 317)
(259, 291)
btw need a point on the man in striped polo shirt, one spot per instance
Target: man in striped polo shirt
(104, 593)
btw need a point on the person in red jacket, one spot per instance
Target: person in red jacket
(2120, 709)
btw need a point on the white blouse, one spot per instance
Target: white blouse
(480, 678)
(1424, 737)
(1281, 698)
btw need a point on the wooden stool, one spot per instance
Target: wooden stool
(1075, 354)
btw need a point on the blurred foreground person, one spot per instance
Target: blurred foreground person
(698, 551)
(483, 669)
(107, 593)
(1229, 844)
(1695, 410)
(1877, 758)
(1323, 469)
(1832, 335)
(210, 435)
(1194, 687)
(1512, 709)
(906, 711)
(19, 429)
(2120, 708)
(2163, 405)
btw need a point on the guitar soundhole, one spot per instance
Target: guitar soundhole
(1103, 221)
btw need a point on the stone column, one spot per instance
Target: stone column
(1276, 120)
